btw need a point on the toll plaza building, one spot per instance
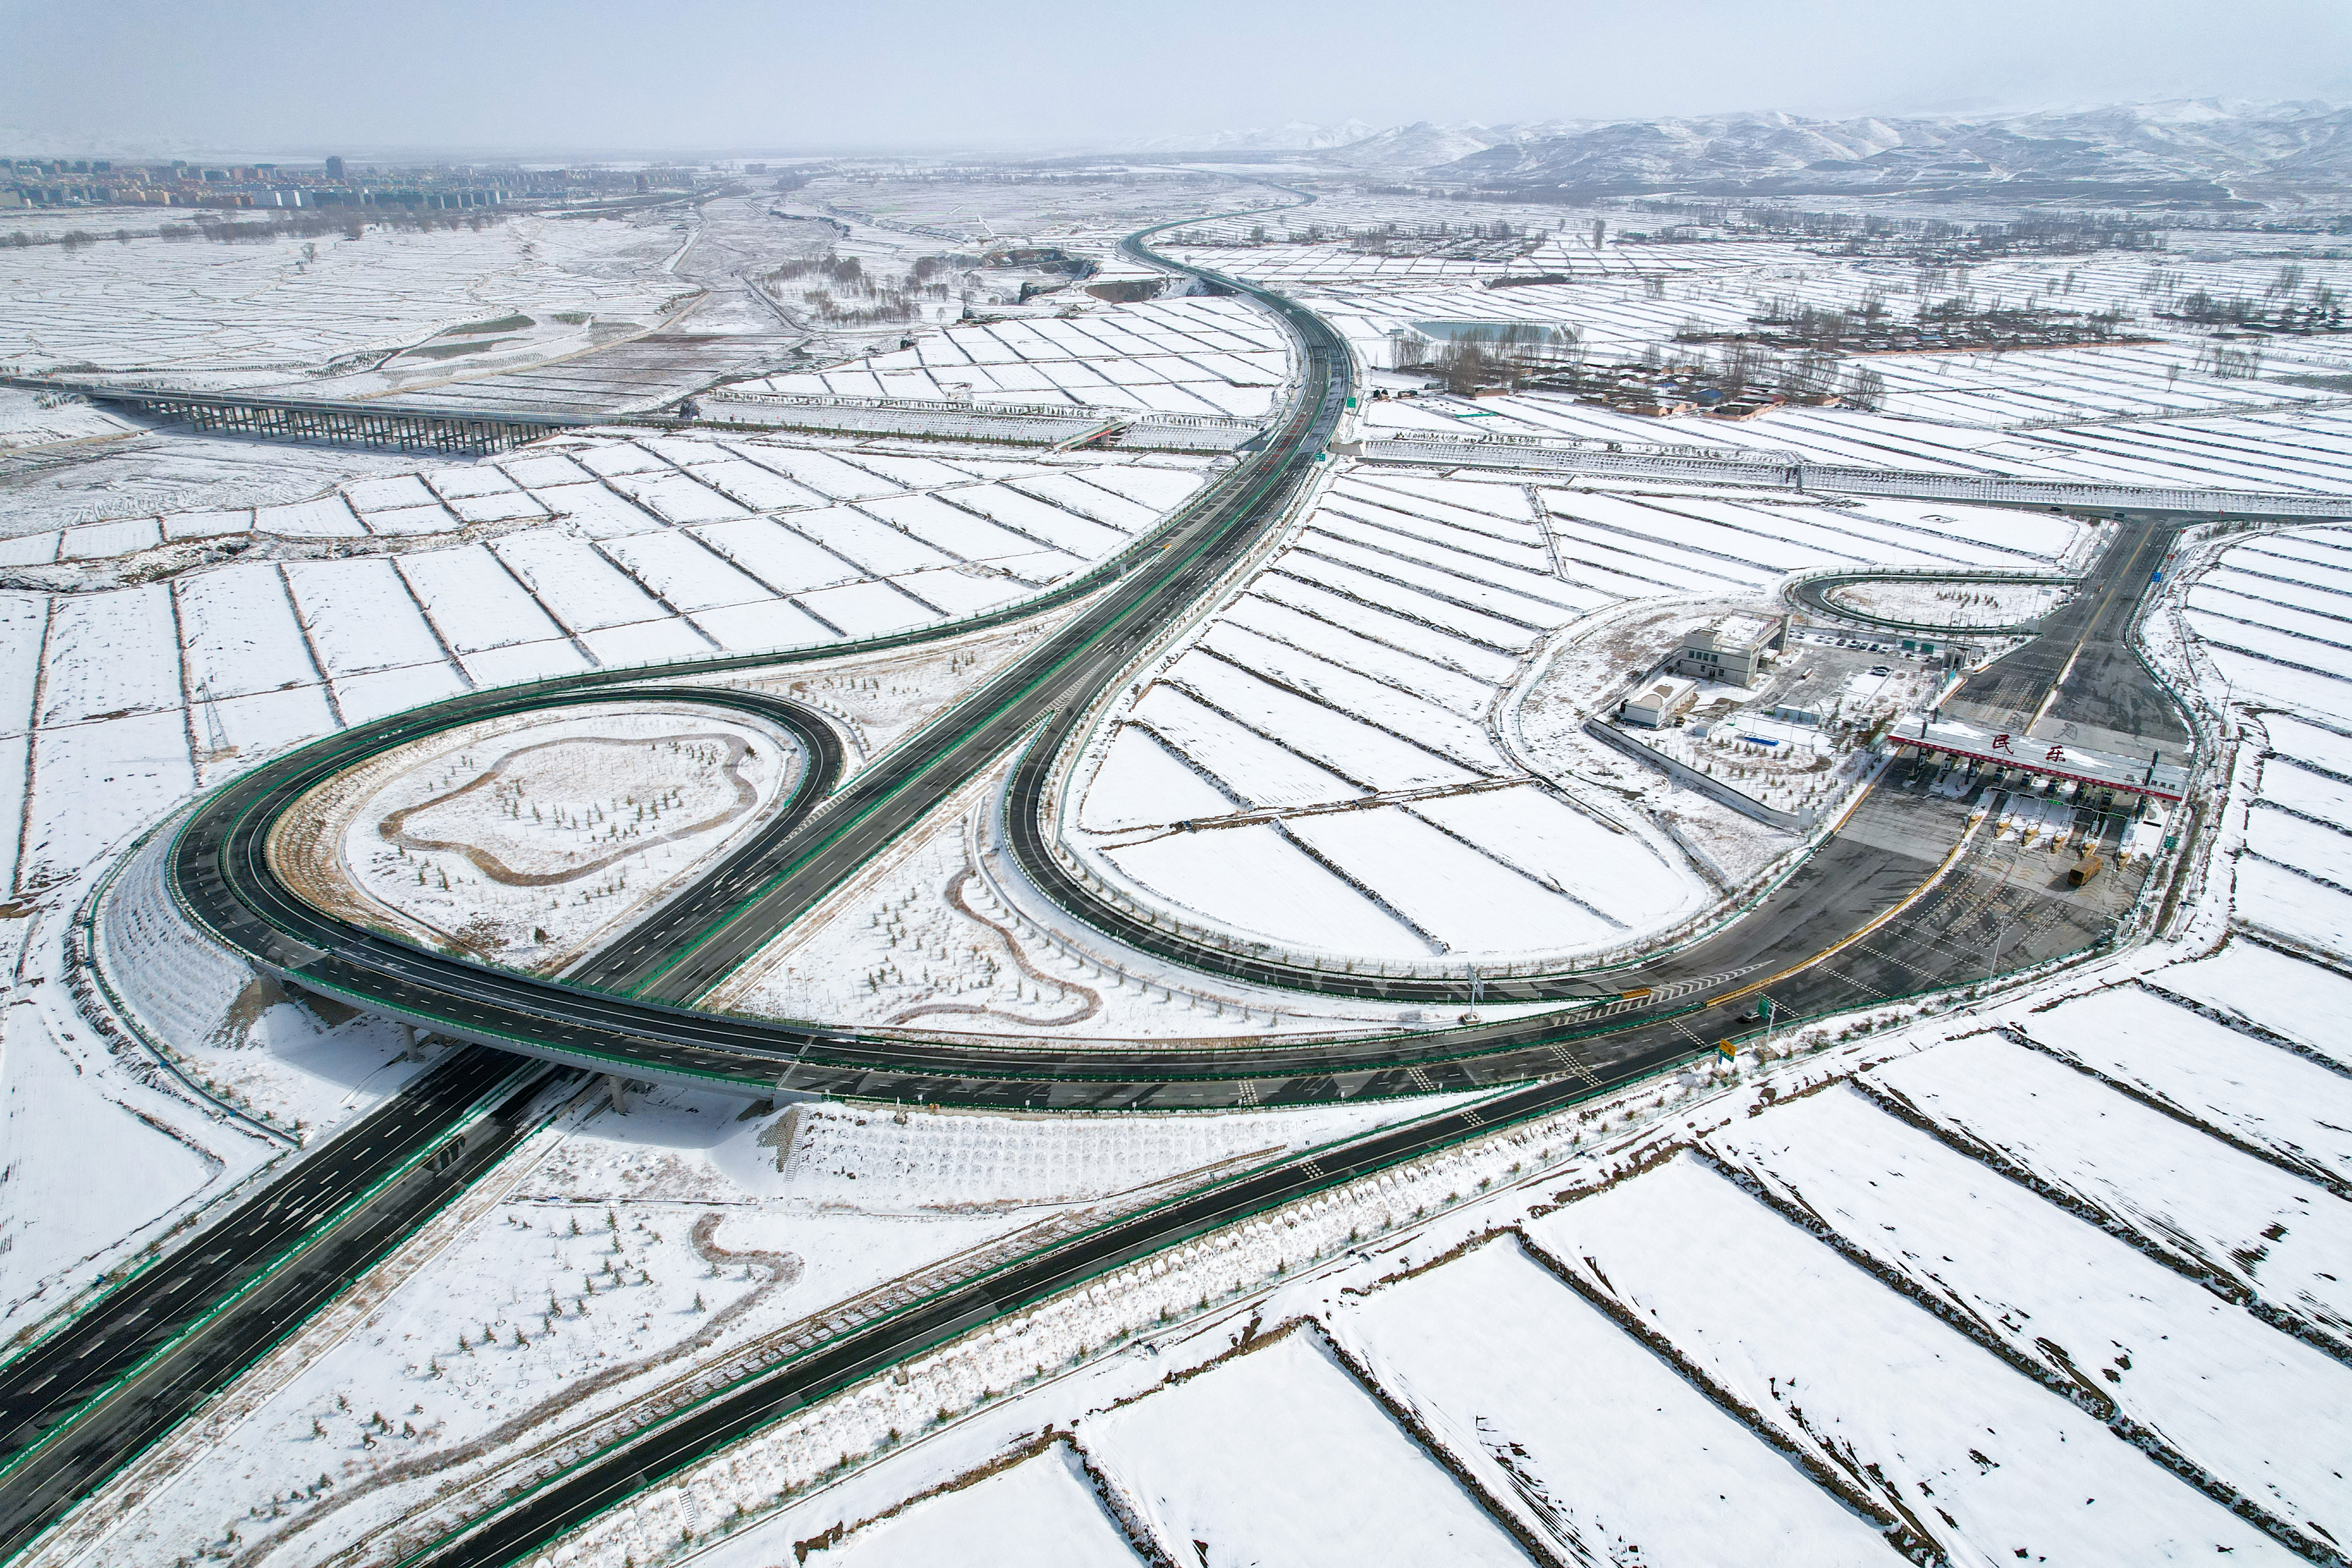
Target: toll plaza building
(2149, 777)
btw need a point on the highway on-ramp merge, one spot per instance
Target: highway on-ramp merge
(1899, 900)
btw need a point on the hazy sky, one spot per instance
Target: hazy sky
(315, 76)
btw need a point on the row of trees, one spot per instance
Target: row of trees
(266, 231)
(825, 278)
(2323, 311)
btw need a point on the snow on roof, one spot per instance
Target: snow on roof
(1738, 631)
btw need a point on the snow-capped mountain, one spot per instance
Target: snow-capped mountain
(2198, 151)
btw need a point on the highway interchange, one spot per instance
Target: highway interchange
(1900, 900)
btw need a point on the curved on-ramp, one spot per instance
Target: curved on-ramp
(632, 1010)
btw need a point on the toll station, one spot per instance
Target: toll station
(2149, 776)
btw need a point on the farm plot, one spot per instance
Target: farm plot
(1342, 711)
(2231, 1398)
(2266, 1100)
(1039, 1514)
(1600, 1447)
(2277, 616)
(2277, 994)
(1280, 1457)
(1221, 357)
(2286, 903)
(1928, 1429)
(2293, 841)
(361, 616)
(2172, 1190)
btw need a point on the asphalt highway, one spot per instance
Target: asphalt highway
(86, 1400)
(1942, 935)
(630, 1012)
(1898, 902)
(129, 1367)
(2082, 670)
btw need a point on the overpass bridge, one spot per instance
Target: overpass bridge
(402, 426)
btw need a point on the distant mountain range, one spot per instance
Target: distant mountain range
(2200, 153)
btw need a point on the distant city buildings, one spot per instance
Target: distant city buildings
(100, 182)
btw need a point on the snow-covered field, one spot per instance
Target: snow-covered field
(1336, 761)
(1280, 1456)
(1169, 356)
(1596, 1440)
(2055, 1278)
(618, 1255)
(1814, 1325)
(1093, 204)
(2164, 407)
(1038, 1515)
(212, 314)
(579, 553)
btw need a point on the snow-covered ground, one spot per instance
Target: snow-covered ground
(1223, 357)
(1898, 1341)
(1040, 1513)
(1954, 1284)
(516, 840)
(1594, 1439)
(617, 1259)
(1338, 760)
(273, 624)
(212, 314)
(1280, 1456)
(1947, 604)
(2163, 407)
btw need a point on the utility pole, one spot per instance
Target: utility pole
(215, 734)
